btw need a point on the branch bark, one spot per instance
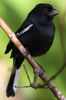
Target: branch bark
(28, 57)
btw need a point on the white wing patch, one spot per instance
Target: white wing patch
(24, 30)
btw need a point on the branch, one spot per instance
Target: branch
(28, 57)
(56, 74)
(27, 74)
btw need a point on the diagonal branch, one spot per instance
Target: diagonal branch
(34, 65)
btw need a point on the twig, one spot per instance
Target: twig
(56, 74)
(34, 65)
(27, 74)
(59, 71)
(36, 87)
(22, 86)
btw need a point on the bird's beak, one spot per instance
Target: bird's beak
(53, 13)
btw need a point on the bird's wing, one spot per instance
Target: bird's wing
(26, 26)
(24, 30)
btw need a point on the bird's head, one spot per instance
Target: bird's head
(45, 9)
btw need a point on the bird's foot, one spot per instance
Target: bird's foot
(36, 75)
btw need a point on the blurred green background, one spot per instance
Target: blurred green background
(14, 13)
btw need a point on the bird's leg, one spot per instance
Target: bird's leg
(36, 75)
(36, 72)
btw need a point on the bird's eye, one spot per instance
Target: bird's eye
(47, 9)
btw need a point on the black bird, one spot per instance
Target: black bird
(36, 34)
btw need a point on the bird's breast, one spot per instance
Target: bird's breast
(41, 44)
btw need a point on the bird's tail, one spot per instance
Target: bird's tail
(14, 78)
